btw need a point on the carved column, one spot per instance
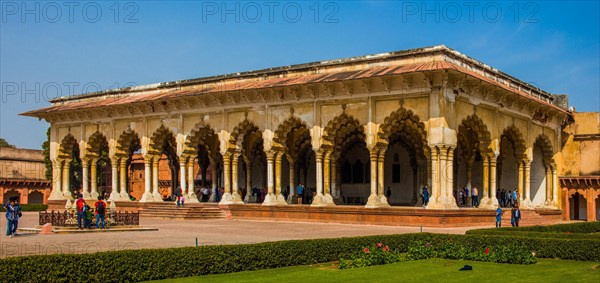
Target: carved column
(442, 191)
(434, 201)
(94, 178)
(114, 192)
(327, 178)
(85, 180)
(56, 193)
(227, 198)
(280, 199)
(213, 195)
(191, 194)
(292, 191)
(249, 197)
(319, 199)
(374, 199)
(334, 172)
(548, 178)
(520, 185)
(484, 194)
(527, 174)
(380, 178)
(182, 176)
(270, 198)
(235, 188)
(554, 187)
(147, 196)
(123, 191)
(66, 179)
(155, 187)
(450, 198)
(493, 180)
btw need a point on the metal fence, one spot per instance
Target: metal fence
(69, 218)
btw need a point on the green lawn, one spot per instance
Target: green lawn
(430, 270)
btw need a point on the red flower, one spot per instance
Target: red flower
(366, 250)
(386, 248)
(379, 245)
(487, 251)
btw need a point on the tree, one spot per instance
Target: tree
(4, 143)
(46, 153)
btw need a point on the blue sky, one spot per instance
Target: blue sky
(48, 49)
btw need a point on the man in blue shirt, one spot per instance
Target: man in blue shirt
(499, 217)
(300, 190)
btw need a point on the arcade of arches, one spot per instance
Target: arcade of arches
(371, 131)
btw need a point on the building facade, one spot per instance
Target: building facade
(23, 175)
(348, 129)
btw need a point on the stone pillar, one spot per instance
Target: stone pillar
(591, 205)
(334, 172)
(434, 201)
(85, 179)
(469, 174)
(520, 185)
(292, 192)
(278, 185)
(554, 187)
(548, 177)
(94, 179)
(249, 197)
(155, 189)
(56, 193)
(213, 195)
(227, 198)
(527, 174)
(270, 198)
(484, 194)
(114, 192)
(123, 192)
(235, 187)
(191, 192)
(319, 199)
(380, 178)
(182, 176)
(374, 199)
(66, 179)
(147, 196)
(450, 198)
(493, 180)
(566, 205)
(327, 178)
(442, 191)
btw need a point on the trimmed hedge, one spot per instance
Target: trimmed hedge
(580, 227)
(531, 234)
(153, 264)
(29, 207)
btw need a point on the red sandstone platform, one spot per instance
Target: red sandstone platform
(349, 214)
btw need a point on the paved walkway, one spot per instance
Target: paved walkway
(183, 233)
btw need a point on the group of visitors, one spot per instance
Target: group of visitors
(13, 213)
(85, 214)
(305, 195)
(464, 194)
(507, 199)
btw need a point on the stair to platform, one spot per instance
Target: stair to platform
(533, 217)
(188, 212)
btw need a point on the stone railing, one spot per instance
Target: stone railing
(69, 218)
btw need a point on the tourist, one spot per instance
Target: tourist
(425, 197)
(515, 197)
(510, 199)
(80, 203)
(205, 193)
(255, 193)
(516, 215)
(467, 195)
(181, 200)
(461, 195)
(88, 217)
(475, 196)
(388, 193)
(100, 206)
(300, 191)
(11, 216)
(18, 215)
(499, 217)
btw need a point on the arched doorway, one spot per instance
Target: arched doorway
(471, 160)
(205, 145)
(511, 162)
(350, 153)
(99, 166)
(72, 169)
(405, 159)
(35, 197)
(578, 206)
(541, 167)
(162, 146)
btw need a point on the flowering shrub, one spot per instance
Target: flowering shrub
(374, 255)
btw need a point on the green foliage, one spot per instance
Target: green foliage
(580, 227)
(141, 265)
(29, 207)
(4, 143)
(531, 234)
(507, 253)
